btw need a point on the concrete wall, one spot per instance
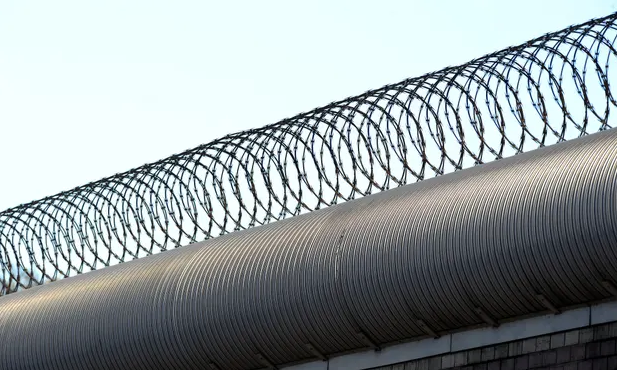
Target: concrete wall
(581, 338)
(590, 348)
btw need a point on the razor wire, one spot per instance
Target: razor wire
(547, 90)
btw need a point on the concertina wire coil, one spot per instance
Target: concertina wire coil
(547, 90)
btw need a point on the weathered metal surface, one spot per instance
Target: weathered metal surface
(550, 89)
(439, 254)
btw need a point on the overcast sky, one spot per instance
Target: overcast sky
(91, 88)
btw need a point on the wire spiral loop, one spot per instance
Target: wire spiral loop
(547, 90)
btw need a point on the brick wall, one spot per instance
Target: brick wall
(590, 348)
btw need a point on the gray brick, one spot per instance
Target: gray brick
(493, 365)
(480, 367)
(601, 332)
(447, 361)
(577, 352)
(473, 356)
(571, 338)
(585, 365)
(413, 365)
(529, 345)
(563, 355)
(488, 353)
(570, 366)
(556, 368)
(612, 362)
(501, 351)
(585, 335)
(434, 363)
(460, 359)
(398, 367)
(593, 350)
(515, 348)
(535, 360)
(543, 343)
(507, 364)
(558, 340)
(423, 364)
(549, 358)
(607, 348)
(521, 363)
(600, 364)
(612, 329)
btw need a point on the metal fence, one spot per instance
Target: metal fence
(547, 90)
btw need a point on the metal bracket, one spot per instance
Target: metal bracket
(264, 361)
(368, 341)
(610, 287)
(548, 304)
(487, 319)
(213, 366)
(427, 329)
(311, 348)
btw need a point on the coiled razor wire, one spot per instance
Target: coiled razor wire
(550, 89)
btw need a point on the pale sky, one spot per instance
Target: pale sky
(92, 88)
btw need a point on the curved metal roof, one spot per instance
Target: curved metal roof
(497, 241)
